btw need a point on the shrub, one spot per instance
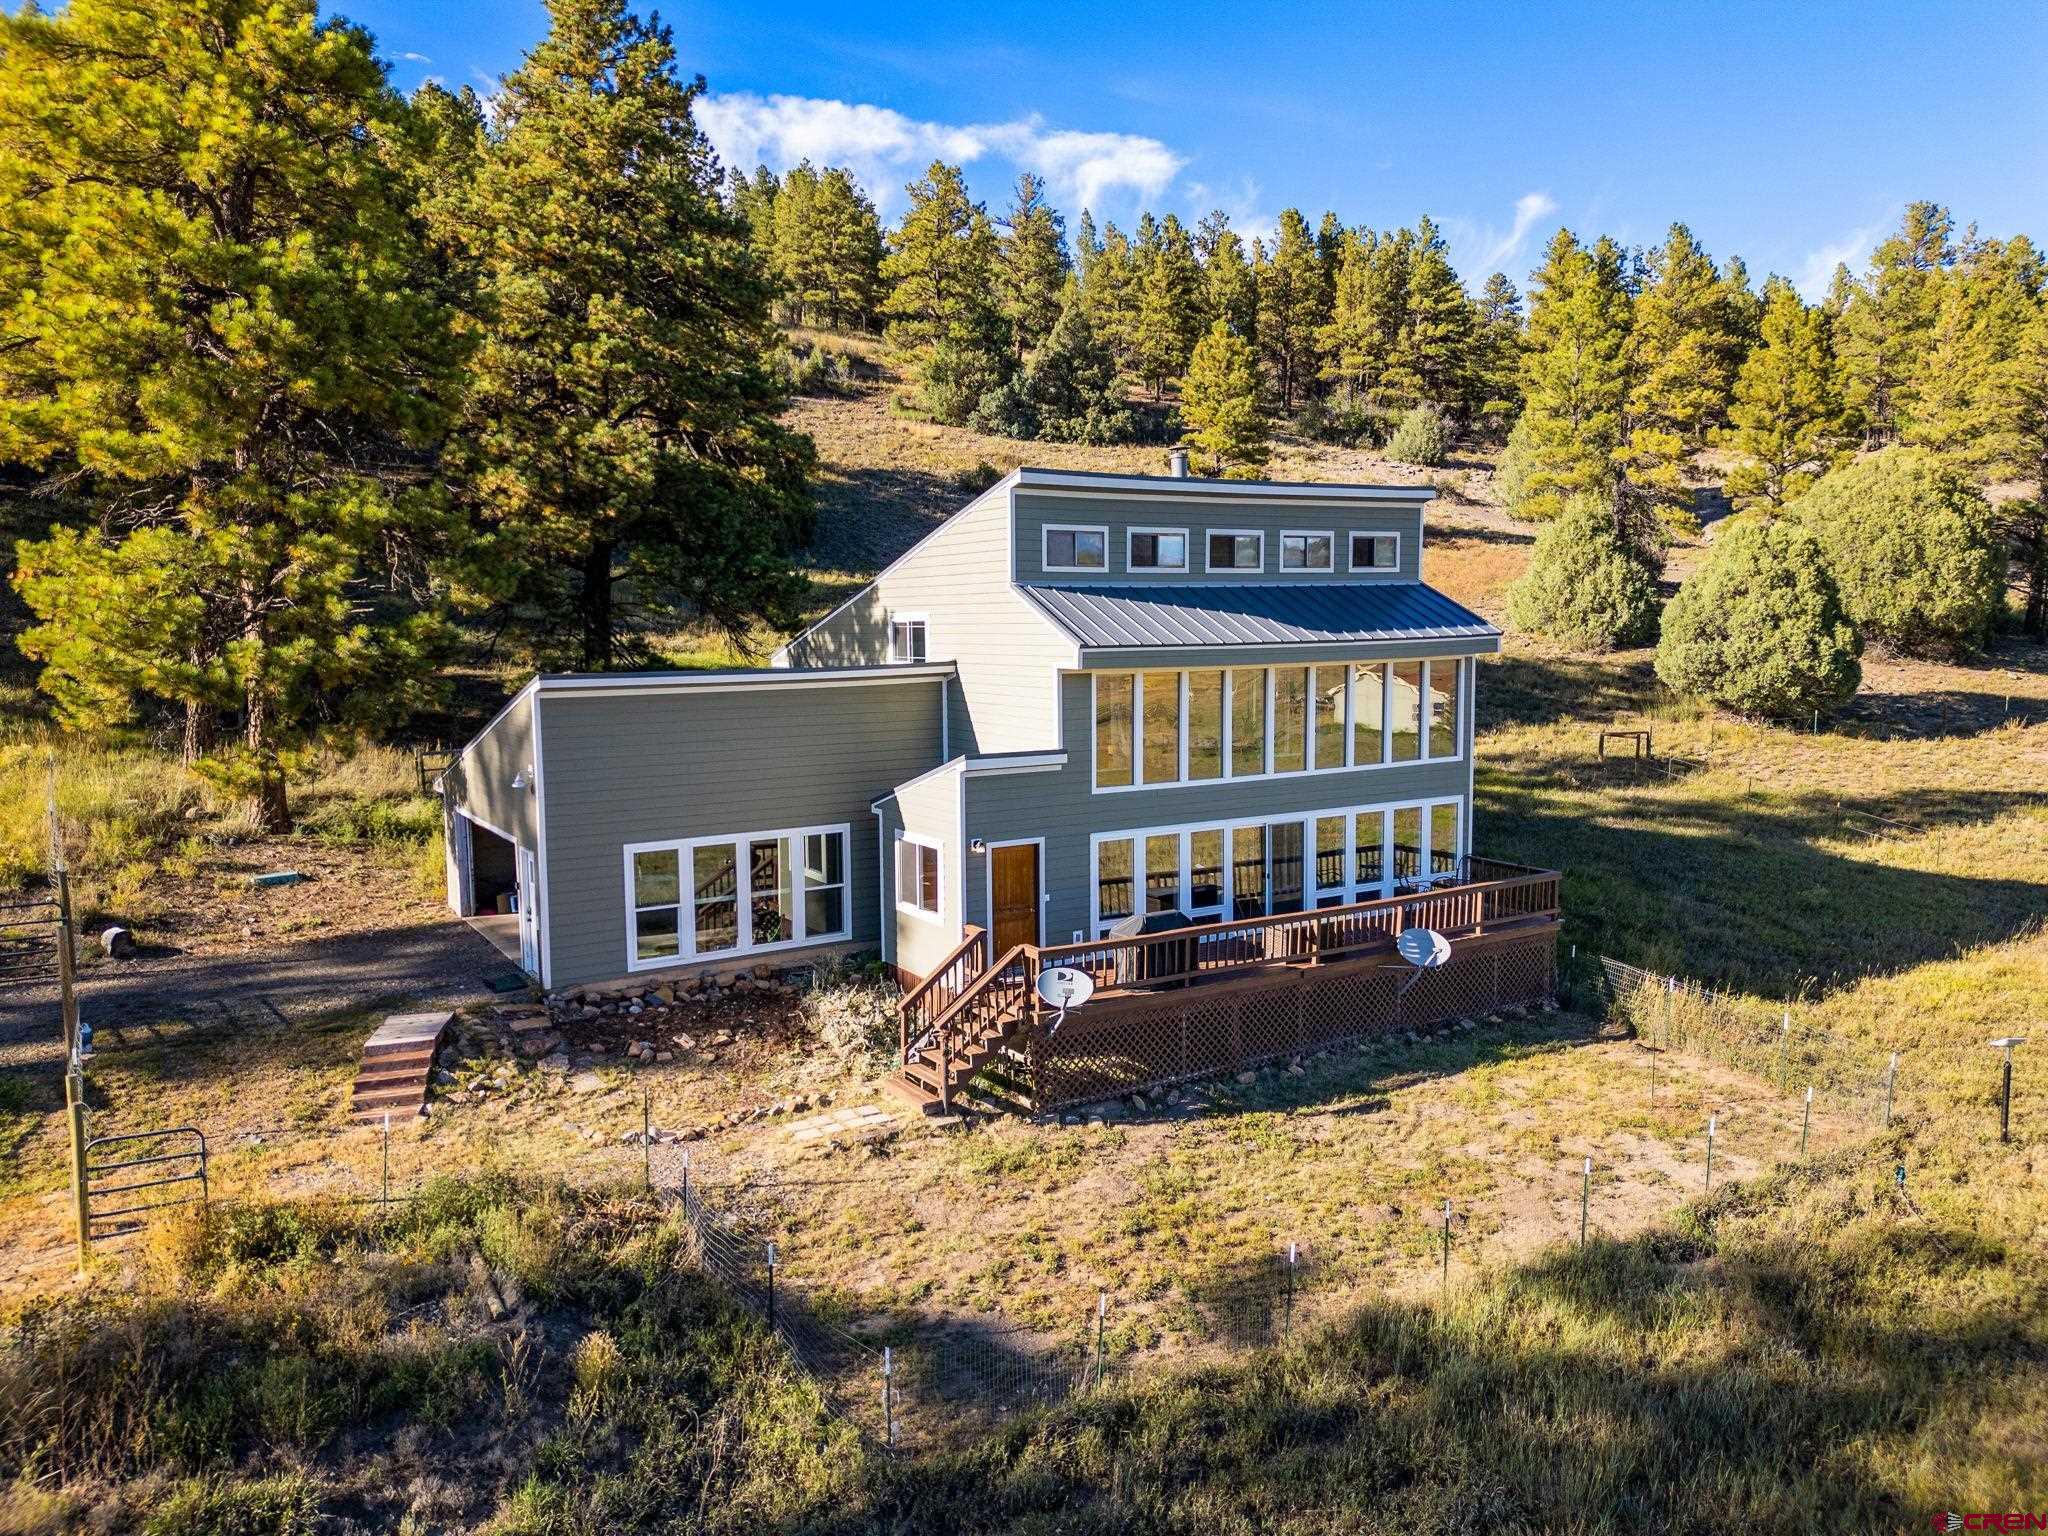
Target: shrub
(1424, 437)
(1762, 627)
(1913, 548)
(1585, 587)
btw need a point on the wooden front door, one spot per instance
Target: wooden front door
(1013, 881)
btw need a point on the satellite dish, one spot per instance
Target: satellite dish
(1063, 987)
(1423, 948)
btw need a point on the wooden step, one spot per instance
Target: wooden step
(397, 1061)
(920, 1099)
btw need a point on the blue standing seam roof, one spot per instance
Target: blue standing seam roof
(1111, 617)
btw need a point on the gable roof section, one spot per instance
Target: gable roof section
(1192, 488)
(1108, 617)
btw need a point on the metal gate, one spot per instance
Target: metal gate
(180, 1164)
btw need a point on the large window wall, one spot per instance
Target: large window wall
(1163, 728)
(1224, 871)
(707, 897)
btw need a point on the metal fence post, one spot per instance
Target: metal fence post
(888, 1396)
(646, 1142)
(1784, 1041)
(385, 1201)
(686, 1188)
(1447, 1246)
(1101, 1316)
(1891, 1077)
(1287, 1323)
(771, 1286)
(1805, 1124)
(1710, 1150)
(1585, 1199)
(74, 1106)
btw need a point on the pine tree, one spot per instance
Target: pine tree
(827, 248)
(1293, 307)
(1232, 296)
(1220, 404)
(1354, 351)
(753, 199)
(1031, 266)
(621, 425)
(1787, 425)
(1113, 291)
(1742, 311)
(227, 336)
(1889, 319)
(1496, 373)
(1068, 390)
(2019, 447)
(1432, 350)
(942, 311)
(1986, 303)
(1169, 309)
(1575, 377)
(1681, 362)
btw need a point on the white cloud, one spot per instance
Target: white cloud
(1248, 214)
(883, 148)
(1817, 267)
(415, 58)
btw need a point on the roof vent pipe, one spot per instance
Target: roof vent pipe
(1177, 462)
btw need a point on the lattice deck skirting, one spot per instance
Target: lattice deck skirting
(1125, 1044)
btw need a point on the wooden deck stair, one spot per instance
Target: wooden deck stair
(953, 1028)
(397, 1058)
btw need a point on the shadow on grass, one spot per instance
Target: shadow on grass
(1627, 1386)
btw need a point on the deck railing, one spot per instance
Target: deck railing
(962, 1002)
(924, 1003)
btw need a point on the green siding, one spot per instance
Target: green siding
(1061, 806)
(479, 782)
(1202, 510)
(651, 766)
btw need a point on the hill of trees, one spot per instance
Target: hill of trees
(301, 374)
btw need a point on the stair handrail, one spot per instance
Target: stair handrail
(941, 1032)
(971, 948)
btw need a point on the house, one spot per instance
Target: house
(1083, 701)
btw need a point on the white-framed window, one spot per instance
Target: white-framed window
(1375, 551)
(917, 875)
(1072, 548)
(1158, 728)
(736, 893)
(1156, 549)
(1308, 550)
(1234, 549)
(906, 637)
(1267, 866)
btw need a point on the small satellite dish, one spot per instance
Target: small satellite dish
(1423, 948)
(1063, 987)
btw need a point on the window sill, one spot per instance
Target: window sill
(723, 956)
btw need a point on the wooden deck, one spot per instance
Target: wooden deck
(971, 1012)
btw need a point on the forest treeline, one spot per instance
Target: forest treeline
(302, 374)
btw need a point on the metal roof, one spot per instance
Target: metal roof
(1294, 613)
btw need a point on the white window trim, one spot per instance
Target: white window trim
(1351, 890)
(1234, 533)
(1462, 724)
(923, 619)
(1351, 552)
(919, 840)
(1047, 529)
(1131, 565)
(1308, 533)
(686, 912)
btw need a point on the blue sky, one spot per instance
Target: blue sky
(1791, 133)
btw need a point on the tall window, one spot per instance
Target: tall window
(732, 894)
(1114, 725)
(1205, 725)
(1162, 727)
(1328, 693)
(1368, 712)
(906, 638)
(1237, 551)
(1113, 885)
(1368, 851)
(1205, 872)
(1076, 549)
(1306, 551)
(1375, 551)
(1407, 711)
(1162, 872)
(1443, 838)
(917, 876)
(1443, 708)
(1290, 719)
(1158, 549)
(1332, 832)
(1248, 721)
